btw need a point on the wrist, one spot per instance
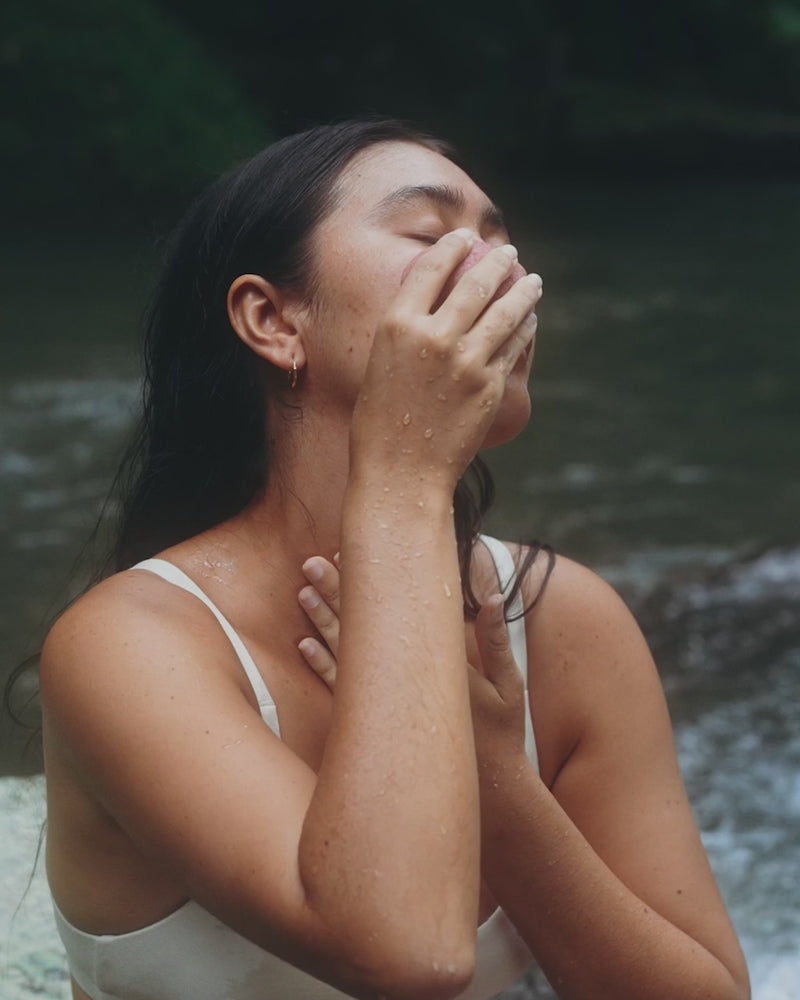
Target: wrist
(397, 491)
(506, 793)
(403, 460)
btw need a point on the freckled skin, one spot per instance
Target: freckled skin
(362, 264)
(149, 806)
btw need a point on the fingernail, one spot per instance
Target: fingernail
(306, 647)
(464, 234)
(533, 279)
(496, 604)
(510, 251)
(313, 570)
(309, 598)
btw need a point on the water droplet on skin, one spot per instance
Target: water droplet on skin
(441, 397)
(447, 591)
(424, 352)
(429, 432)
(406, 419)
(385, 489)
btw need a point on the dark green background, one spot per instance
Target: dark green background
(119, 109)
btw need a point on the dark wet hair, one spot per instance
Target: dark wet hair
(202, 450)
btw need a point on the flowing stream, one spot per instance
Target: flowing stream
(663, 451)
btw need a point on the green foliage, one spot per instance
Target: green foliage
(108, 106)
(784, 18)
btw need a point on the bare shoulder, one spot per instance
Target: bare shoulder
(130, 641)
(577, 602)
(128, 608)
(591, 671)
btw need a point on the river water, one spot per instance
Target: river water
(663, 451)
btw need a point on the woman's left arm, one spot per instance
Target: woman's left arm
(598, 862)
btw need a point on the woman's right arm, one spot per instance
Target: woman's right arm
(365, 875)
(402, 647)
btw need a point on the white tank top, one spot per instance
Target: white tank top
(191, 955)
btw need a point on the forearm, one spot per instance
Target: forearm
(593, 937)
(394, 818)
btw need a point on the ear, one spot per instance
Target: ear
(262, 316)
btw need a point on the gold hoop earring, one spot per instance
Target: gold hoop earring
(293, 375)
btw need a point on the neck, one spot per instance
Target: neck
(298, 515)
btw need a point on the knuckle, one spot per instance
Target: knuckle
(464, 369)
(397, 321)
(429, 263)
(475, 285)
(503, 317)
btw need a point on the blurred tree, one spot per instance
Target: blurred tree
(111, 103)
(534, 82)
(107, 106)
(489, 81)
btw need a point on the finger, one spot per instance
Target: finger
(322, 617)
(508, 325)
(494, 646)
(319, 659)
(523, 337)
(476, 288)
(324, 577)
(428, 274)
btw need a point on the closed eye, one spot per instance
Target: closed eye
(428, 238)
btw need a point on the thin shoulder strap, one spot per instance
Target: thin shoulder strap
(169, 572)
(507, 575)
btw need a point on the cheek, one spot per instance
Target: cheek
(355, 296)
(512, 416)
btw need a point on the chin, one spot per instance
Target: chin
(512, 417)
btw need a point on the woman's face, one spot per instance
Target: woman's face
(392, 202)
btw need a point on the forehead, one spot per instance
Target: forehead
(374, 175)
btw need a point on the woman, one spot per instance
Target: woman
(341, 325)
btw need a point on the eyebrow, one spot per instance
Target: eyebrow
(440, 194)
